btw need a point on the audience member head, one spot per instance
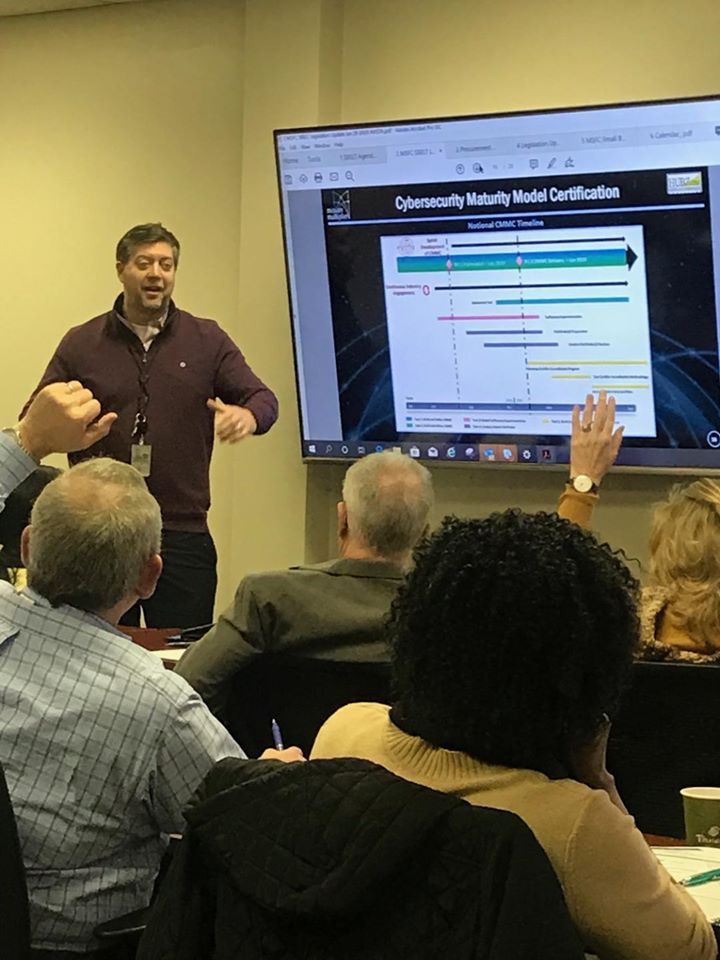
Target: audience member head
(512, 637)
(145, 235)
(685, 558)
(94, 539)
(387, 498)
(16, 516)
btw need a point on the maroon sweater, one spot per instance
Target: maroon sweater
(189, 361)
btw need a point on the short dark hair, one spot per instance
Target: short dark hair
(511, 637)
(142, 235)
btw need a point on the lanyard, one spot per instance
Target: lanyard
(140, 426)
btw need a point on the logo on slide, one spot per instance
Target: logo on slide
(684, 182)
(339, 209)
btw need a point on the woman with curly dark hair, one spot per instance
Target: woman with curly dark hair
(512, 638)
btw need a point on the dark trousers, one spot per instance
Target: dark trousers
(185, 594)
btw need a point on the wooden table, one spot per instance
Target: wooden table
(657, 841)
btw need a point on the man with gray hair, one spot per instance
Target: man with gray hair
(327, 611)
(102, 747)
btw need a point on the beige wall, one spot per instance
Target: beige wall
(165, 109)
(291, 77)
(111, 117)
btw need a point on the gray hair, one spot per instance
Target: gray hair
(388, 498)
(93, 529)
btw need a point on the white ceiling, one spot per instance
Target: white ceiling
(11, 8)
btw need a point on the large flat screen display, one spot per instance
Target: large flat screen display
(458, 285)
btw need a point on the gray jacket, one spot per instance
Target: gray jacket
(332, 611)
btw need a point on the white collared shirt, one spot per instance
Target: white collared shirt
(146, 332)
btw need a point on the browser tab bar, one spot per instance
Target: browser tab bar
(662, 135)
(604, 138)
(363, 155)
(547, 143)
(469, 148)
(317, 157)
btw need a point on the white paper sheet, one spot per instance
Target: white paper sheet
(684, 862)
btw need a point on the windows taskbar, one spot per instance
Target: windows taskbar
(448, 452)
(693, 460)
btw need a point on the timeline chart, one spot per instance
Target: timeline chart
(505, 332)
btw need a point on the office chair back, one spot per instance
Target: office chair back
(666, 736)
(300, 693)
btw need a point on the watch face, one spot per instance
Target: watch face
(582, 483)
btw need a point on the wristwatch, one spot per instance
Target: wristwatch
(583, 484)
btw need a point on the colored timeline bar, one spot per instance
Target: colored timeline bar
(430, 405)
(621, 386)
(515, 303)
(614, 257)
(577, 363)
(495, 316)
(532, 286)
(537, 243)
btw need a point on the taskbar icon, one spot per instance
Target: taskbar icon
(498, 453)
(341, 449)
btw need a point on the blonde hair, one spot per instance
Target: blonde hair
(685, 558)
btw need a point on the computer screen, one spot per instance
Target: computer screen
(457, 285)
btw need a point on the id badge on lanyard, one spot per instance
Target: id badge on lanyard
(141, 457)
(141, 452)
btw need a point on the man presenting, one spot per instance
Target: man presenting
(167, 374)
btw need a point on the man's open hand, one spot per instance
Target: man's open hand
(595, 441)
(232, 423)
(63, 418)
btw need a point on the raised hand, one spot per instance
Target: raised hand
(62, 418)
(595, 441)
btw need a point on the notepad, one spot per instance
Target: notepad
(173, 655)
(684, 862)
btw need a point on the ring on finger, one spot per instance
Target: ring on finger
(587, 429)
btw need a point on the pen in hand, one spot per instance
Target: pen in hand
(276, 735)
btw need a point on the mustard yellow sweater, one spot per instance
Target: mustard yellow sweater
(625, 905)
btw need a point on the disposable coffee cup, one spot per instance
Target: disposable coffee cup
(702, 815)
